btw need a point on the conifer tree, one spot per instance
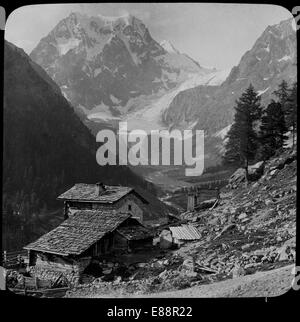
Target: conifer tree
(282, 93)
(272, 130)
(242, 139)
(291, 111)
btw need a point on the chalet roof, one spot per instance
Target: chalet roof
(185, 232)
(88, 192)
(136, 232)
(79, 232)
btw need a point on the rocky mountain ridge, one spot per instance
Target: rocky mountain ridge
(103, 62)
(112, 70)
(271, 59)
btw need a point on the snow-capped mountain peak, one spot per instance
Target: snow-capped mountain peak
(168, 47)
(109, 61)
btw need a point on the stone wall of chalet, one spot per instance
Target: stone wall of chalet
(50, 267)
(130, 203)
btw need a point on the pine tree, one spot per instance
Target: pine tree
(291, 111)
(242, 139)
(272, 130)
(282, 93)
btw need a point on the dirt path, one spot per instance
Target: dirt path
(269, 283)
(262, 284)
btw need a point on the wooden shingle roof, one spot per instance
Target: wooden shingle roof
(137, 232)
(78, 233)
(88, 192)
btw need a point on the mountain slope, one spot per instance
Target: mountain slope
(270, 60)
(103, 62)
(251, 231)
(46, 148)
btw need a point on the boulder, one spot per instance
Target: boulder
(268, 202)
(237, 271)
(251, 265)
(229, 229)
(246, 246)
(188, 264)
(141, 265)
(156, 241)
(272, 172)
(236, 178)
(165, 239)
(157, 265)
(255, 171)
(189, 274)
(286, 253)
(242, 216)
(163, 274)
(118, 280)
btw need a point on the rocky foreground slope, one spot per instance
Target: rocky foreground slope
(273, 282)
(251, 230)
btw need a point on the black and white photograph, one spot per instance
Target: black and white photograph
(149, 151)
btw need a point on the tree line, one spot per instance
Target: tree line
(258, 132)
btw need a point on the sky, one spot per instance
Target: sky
(216, 35)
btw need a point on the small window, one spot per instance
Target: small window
(129, 207)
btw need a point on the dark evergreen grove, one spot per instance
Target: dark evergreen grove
(291, 111)
(272, 131)
(282, 93)
(257, 132)
(287, 97)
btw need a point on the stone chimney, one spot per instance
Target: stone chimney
(100, 188)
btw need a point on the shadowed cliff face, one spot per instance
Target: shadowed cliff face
(46, 148)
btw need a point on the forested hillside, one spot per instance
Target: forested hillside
(46, 149)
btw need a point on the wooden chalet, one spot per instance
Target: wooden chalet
(85, 235)
(98, 196)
